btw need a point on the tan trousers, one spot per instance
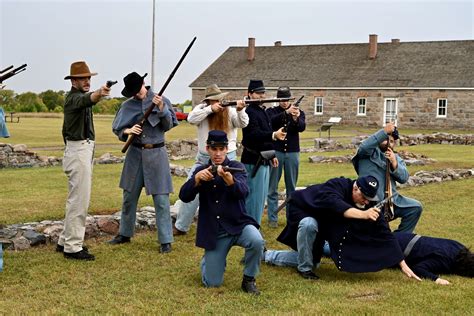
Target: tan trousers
(77, 164)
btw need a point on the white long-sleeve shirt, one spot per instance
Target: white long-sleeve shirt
(198, 116)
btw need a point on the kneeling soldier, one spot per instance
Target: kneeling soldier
(223, 221)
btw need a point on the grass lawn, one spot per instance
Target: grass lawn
(136, 279)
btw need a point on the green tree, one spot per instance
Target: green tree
(52, 99)
(108, 106)
(7, 100)
(30, 102)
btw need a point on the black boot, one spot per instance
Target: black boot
(165, 248)
(249, 285)
(308, 275)
(119, 239)
(80, 255)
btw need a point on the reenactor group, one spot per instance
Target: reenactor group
(340, 218)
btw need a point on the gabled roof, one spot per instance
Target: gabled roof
(443, 64)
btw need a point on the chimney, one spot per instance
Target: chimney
(251, 49)
(372, 46)
(278, 43)
(395, 41)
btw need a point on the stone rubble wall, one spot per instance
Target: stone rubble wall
(26, 235)
(437, 138)
(18, 156)
(422, 139)
(411, 159)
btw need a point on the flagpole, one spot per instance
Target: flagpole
(153, 49)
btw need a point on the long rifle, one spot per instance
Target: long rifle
(388, 207)
(256, 101)
(150, 109)
(11, 73)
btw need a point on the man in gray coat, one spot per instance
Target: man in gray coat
(146, 163)
(371, 159)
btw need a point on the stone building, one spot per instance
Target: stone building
(419, 84)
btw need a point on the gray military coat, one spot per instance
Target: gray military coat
(153, 162)
(370, 160)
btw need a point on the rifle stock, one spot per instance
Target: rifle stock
(131, 137)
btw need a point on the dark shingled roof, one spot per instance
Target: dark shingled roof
(443, 64)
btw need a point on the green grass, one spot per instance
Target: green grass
(136, 279)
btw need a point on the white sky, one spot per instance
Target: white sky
(114, 36)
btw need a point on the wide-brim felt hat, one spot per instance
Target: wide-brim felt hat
(79, 69)
(214, 93)
(133, 83)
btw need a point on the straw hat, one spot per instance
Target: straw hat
(214, 93)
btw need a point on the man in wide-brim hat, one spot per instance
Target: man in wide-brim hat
(79, 136)
(213, 93)
(210, 115)
(146, 164)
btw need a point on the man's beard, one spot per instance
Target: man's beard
(360, 206)
(383, 147)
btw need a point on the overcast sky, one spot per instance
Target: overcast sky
(114, 36)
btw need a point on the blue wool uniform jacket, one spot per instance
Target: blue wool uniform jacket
(280, 119)
(356, 245)
(220, 206)
(370, 160)
(430, 256)
(257, 135)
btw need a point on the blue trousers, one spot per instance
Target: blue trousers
(289, 163)
(162, 212)
(187, 211)
(303, 258)
(409, 217)
(1, 257)
(214, 261)
(258, 191)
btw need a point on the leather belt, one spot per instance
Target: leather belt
(148, 146)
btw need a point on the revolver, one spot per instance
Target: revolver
(110, 83)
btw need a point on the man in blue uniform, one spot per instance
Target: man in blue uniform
(287, 151)
(360, 239)
(257, 137)
(371, 159)
(429, 257)
(146, 164)
(223, 221)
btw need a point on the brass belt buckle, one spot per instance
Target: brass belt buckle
(147, 146)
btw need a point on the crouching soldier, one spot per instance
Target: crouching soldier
(223, 221)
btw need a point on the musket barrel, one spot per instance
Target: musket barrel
(8, 68)
(150, 108)
(256, 101)
(13, 72)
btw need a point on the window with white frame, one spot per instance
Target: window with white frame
(361, 108)
(318, 106)
(442, 109)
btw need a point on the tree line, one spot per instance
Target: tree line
(53, 101)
